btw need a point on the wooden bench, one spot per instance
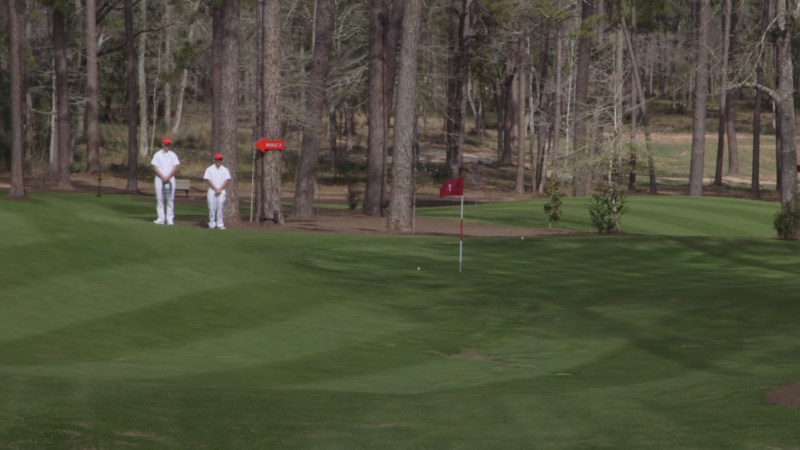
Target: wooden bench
(183, 185)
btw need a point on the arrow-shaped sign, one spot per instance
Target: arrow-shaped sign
(265, 145)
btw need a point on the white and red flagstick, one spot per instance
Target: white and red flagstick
(453, 188)
(461, 237)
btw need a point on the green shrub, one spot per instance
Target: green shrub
(607, 206)
(787, 221)
(553, 206)
(353, 196)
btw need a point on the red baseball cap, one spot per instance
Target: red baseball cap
(166, 141)
(218, 156)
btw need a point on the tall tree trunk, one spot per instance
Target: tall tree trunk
(723, 92)
(634, 147)
(270, 204)
(63, 119)
(17, 132)
(596, 88)
(581, 98)
(350, 125)
(786, 112)
(458, 68)
(184, 78)
(700, 97)
(755, 182)
(544, 121)
(377, 111)
(130, 63)
(228, 13)
(509, 116)
(314, 108)
(730, 117)
(143, 148)
(619, 95)
(520, 113)
(500, 107)
(557, 98)
(168, 66)
(332, 137)
(651, 167)
(400, 218)
(92, 103)
(392, 33)
(216, 75)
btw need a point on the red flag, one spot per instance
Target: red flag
(452, 187)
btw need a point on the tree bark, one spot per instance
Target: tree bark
(143, 148)
(580, 141)
(130, 63)
(168, 66)
(557, 97)
(377, 113)
(544, 121)
(499, 102)
(700, 98)
(730, 117)
(17, 189)
(314, 108)
(216, 75)
(400, 218)
(509, 116)
(92, 108)
(228, 14)
(755, 182)
(184, 79)
(460, 44)
(651, 168)
(634, 147)
(786, 112)
(723, 93)
(332, 137)
(270, 204)
(63, 119)
(520, 113)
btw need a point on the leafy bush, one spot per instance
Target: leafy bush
(353, 196)
(608, 204)
(787, 221)
(553, 206)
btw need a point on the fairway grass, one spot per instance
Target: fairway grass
(115, 332)
(659, 215)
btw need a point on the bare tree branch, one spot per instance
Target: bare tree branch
(759, 87)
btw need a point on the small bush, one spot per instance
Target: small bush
(607, 207)
(553, 206)
(353, 196)
(787, 221)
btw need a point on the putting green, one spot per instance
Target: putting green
(115, 331)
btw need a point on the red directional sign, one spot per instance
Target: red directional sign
(265, 145)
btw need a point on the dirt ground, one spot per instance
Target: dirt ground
(325, 220)
(787, 396)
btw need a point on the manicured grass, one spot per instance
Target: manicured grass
(660, 215)
(115, 331)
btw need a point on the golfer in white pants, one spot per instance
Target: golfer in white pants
(165, 164)
(218, 178)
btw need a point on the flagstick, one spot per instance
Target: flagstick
(461, 239)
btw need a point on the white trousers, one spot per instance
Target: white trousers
(215, 204)
(170, 216)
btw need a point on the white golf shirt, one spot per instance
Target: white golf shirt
(217, 176)
(165, 161)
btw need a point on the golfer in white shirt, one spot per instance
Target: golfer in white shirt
(165, 164)
(218, 178)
